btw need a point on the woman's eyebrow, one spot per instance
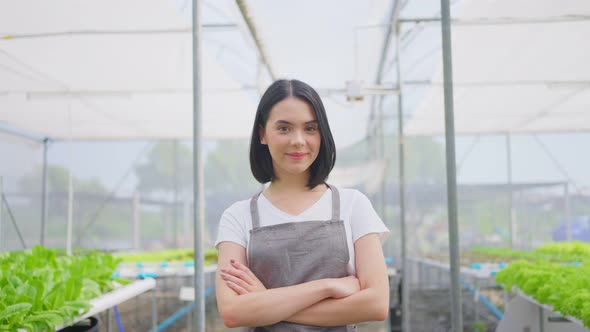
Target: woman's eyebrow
(289, 123)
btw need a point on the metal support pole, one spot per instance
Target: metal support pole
(476, 297)
(511, 227)
(109, 322)
(250, 24)
(175, 195)
(541, 319)
(394, 15)
(456, 313)
(382, 158)
(44, 193)
(137, 307)
(402, 184)
(259, 81)
(1, 205)
(198, 194)
(70, 220)
(186, 219)
(506, 299)
(11, 216)
(421, 274)
(136, 220)
(154, 310)
(189, 325)
(568, 221)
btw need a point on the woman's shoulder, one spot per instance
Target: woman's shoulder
(348, 192)
(350, 195)
(238, 208)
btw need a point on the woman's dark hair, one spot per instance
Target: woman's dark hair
(260, 158)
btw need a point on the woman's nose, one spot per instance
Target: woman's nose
(297, 138)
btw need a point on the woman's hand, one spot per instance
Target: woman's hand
(241, 279)
(343, 287)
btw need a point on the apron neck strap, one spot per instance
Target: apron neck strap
(335, 203)
(254, 211)
(335, 206)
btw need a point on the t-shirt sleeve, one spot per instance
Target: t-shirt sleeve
(364, 219)
(232, 227)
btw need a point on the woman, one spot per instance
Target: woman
(301, 255)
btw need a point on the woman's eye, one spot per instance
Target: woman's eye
(284, 129)
(311, 128)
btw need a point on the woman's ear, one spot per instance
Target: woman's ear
(261, 134)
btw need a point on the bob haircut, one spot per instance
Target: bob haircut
(260, 158)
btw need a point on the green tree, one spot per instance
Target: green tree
(227, 167)
(87, 192)
(57, 181)
(424, 158)
(166, 161)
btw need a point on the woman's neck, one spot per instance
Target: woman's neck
(291, 185)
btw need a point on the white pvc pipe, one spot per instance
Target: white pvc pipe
(156, 270)
(115, 297)
(485, 273)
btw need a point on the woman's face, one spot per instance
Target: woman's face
(293, 137)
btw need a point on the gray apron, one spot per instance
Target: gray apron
(297, 252)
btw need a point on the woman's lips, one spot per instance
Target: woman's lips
(296, 156)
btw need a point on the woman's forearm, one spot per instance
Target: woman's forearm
(273, 305)
(370, 304)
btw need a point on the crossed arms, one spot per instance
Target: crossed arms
(244, 301)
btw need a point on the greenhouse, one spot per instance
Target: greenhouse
(126, 129)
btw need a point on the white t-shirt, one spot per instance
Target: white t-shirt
(356, 210)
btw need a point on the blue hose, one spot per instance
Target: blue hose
(484, 300)
(183, 311)
(118, 319)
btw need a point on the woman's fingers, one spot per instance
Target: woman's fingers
(237, 281)
(238, 274)
(346, 286)
(241, 275)
(237, 288)
(244, 268)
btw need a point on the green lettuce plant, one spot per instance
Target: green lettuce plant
(40, 289)
(557, 274)
(168, 255)
(565, 287)
(574, 251)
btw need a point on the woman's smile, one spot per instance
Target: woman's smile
(297, 155)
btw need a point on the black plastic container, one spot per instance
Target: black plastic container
(90, 324)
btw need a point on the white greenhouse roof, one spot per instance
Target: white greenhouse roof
(101, 70)
(525, 70)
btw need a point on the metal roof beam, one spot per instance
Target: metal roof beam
(250, 23)
(499, 20)
(209, 27)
